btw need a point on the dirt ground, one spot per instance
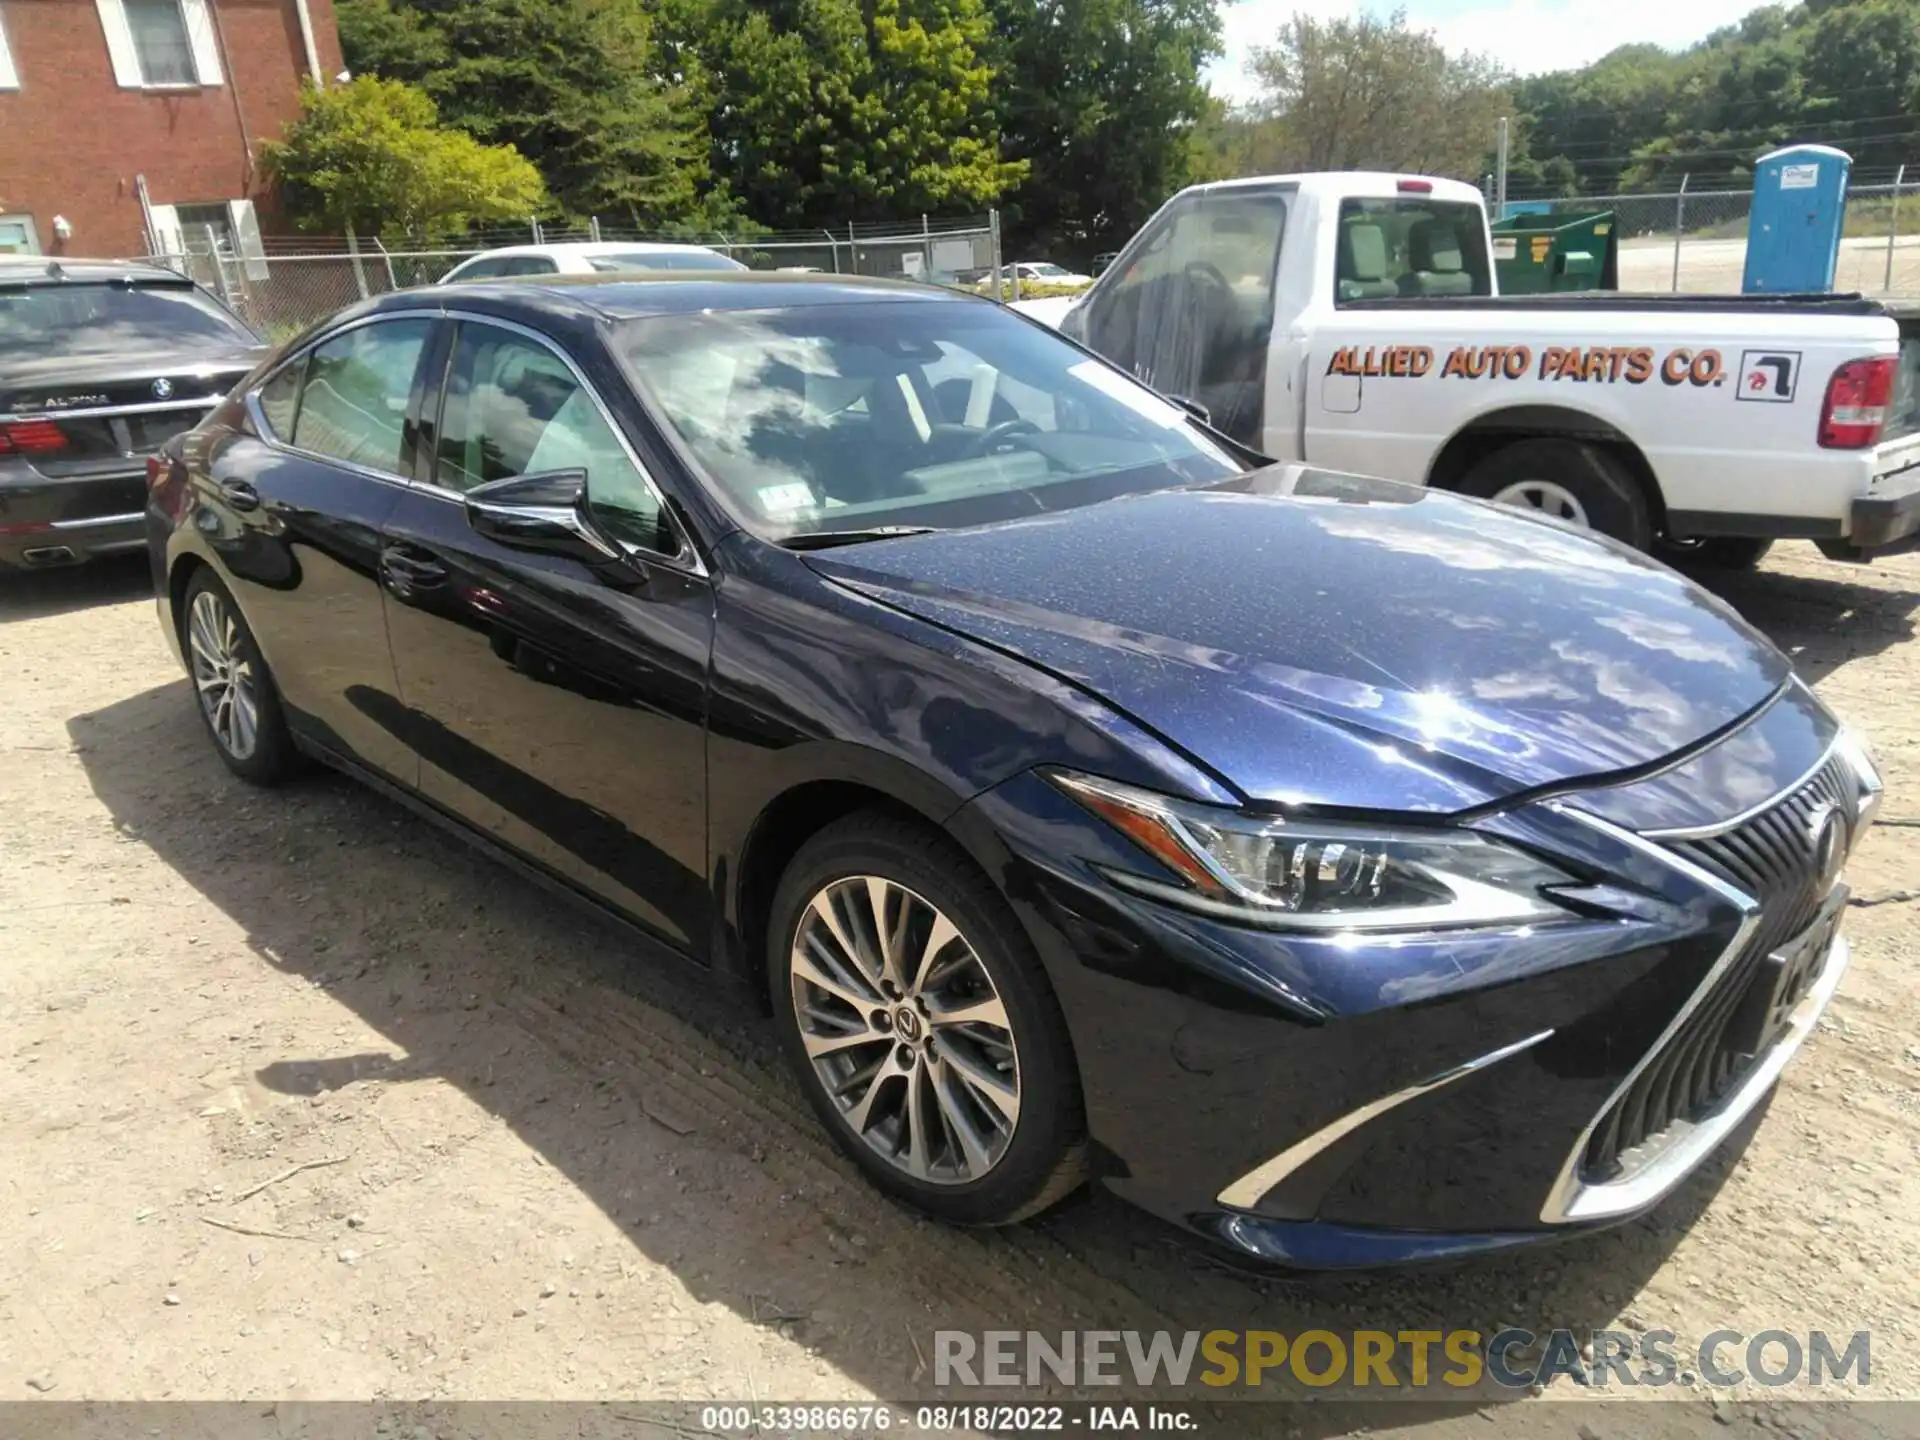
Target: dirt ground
(1717, 267)
(301, 1099)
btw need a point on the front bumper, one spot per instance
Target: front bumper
(1313, 1104)
(51, 520)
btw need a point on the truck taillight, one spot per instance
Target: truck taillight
(31, 437)
(1858, 399)
(1415, 187)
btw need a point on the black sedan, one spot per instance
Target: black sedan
(101, 363)
(1347, 872)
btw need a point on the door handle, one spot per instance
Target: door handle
(240, 495)
(406, 572)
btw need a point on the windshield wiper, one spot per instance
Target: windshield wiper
(827, 539)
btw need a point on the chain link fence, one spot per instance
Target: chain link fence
(1696, 240)
(296, 281)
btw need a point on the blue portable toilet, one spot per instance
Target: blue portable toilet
(1799, 207)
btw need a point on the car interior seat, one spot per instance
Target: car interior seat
(1435, 265)
(1361, 263)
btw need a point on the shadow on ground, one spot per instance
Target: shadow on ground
(619, 1073)
(1822, 622)
(41, 594)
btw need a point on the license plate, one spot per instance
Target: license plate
(147, 433)
(1783, 979)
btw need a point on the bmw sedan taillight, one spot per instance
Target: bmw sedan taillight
(31, 437)
(1858, 400)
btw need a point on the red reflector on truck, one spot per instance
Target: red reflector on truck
(1858, 399)
(31, 437)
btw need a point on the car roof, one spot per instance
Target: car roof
(627, 296)
(596, 247)
(52, 270)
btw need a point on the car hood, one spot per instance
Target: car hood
(1332, 640)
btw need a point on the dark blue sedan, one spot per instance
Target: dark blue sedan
(1347, 872)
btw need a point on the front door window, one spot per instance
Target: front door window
(1188, 307)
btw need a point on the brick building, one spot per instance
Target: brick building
(124, 123)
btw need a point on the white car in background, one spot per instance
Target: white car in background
(1045, 272)
(588, 257)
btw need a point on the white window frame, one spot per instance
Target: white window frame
(9, 76)
(198, 18)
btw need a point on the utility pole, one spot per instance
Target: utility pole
(1500, 173)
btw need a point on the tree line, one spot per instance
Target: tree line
(1074, 117)
(1375, 92)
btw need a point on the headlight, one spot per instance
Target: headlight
(1852, 748)
(1321, 875)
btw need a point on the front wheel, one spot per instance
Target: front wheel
(921, 1025)
(1568, 479)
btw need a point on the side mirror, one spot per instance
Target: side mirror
(1193, 408)
(539, 512)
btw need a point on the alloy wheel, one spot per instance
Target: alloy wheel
(905, 1030)
(223, 675)
(1546, 497)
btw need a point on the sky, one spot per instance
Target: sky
(1527, 36)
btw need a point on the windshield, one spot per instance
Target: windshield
(76, 318)
(1046, 268)
(665, 260)
(939, 413)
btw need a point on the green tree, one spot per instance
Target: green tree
(1838, 72)
(576, 85)
(824, 111)
(1373, 93)
(1105, 101)
(373, 156)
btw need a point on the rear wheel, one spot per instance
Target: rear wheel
(236, 694)
(1569, 480)
(921, 1026)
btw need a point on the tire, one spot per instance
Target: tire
(249, 731)
(1608, 496)
(972, 1164)
(1722, 552)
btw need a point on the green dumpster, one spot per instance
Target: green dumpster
(1541, 254)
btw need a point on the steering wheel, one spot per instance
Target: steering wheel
(996, 435)
(1213, 289)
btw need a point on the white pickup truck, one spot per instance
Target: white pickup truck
(1352, 321)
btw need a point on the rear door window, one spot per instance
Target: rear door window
(1410, 247)
(353, 406)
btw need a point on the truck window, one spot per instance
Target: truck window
(1188, 306)
(1388, 248)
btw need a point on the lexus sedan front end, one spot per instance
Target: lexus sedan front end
(1348, 872)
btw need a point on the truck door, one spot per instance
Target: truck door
(1188, 306)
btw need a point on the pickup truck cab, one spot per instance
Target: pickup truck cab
(1353, 321)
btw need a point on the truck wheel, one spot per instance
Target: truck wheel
(1722, 552)
(1568, 480)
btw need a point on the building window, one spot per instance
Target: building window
(9, 77)
(160, 40)
(160, 44)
